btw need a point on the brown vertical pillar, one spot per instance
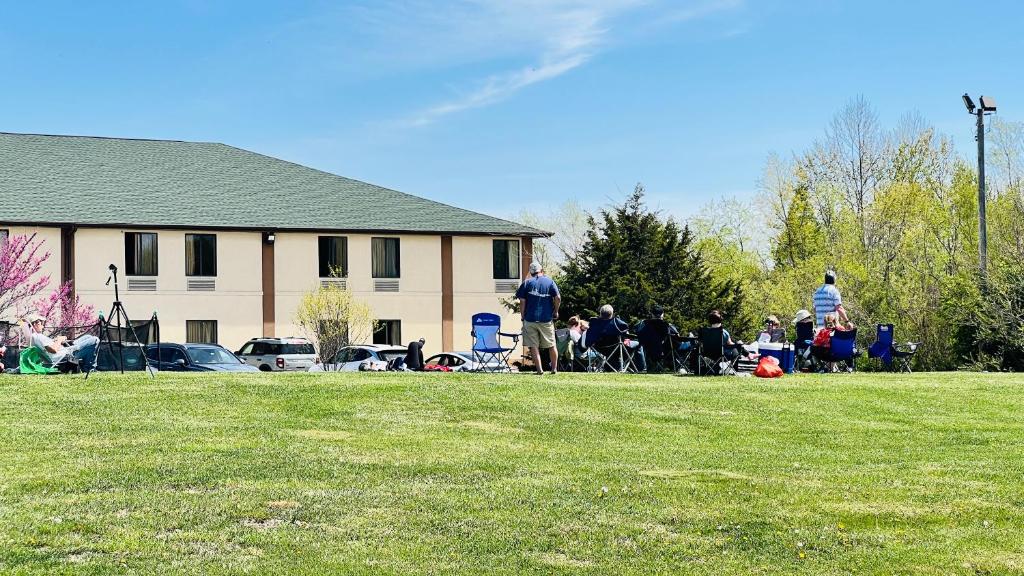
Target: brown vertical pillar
(67, 257)
(447, 296)
(527, 256)
(269, 295)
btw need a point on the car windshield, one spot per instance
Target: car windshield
(211, 355)
(297, 349)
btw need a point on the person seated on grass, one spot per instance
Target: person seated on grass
(57, 350)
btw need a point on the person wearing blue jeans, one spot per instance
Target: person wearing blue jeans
(83, 349)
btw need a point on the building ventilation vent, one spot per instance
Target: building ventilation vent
(142, 284)
(341, 283)
(202, 284)
(505, 286)
(385, 285)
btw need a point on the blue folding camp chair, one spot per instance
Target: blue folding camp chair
(488, 352)
(894, 356)
(843, 348)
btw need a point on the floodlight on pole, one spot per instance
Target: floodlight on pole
(988, 106)
(969, 103)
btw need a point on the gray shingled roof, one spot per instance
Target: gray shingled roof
(162, 183)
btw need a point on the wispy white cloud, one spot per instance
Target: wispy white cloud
(558, 35)
(520, 42)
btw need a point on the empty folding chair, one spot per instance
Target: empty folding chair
(488, 351)
(892, 355)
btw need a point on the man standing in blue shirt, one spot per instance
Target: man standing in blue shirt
(827, 300)
(538, 301)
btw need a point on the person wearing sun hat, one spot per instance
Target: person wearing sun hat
(802, 316)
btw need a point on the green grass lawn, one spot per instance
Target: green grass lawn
(510, 474)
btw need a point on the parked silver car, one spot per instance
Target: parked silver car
(349, 358)
(278, 354)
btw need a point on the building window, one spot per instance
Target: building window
(333, 257)
(200, 254)
(388, 332)
(201, 331)
(386, 259)
(506, 259)
(4, 234)
(140, 254)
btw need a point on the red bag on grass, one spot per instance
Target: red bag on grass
(768, 367)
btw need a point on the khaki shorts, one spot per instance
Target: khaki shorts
(539, 334)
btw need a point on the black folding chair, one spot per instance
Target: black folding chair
(802, 346)
(607, 341)
(716, 357)
(655, 336)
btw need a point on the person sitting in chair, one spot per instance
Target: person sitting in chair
(772, 331)
(57, 350)
(715, 321)
(608, 313)
(3, 351)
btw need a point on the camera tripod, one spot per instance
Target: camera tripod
(118, 318)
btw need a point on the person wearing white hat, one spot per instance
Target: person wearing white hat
(801, 315)
(57, 350)
(539, 299)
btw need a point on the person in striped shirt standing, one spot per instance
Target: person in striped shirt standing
(828, 300)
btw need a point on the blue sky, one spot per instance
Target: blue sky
(503, 105)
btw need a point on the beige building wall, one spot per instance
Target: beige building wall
(417, 303)
(474, 288)
(235, 303)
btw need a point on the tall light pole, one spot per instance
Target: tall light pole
(988, 106)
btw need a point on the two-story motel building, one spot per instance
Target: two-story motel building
(222, 242)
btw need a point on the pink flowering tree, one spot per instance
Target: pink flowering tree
(62, 310)
(21, 260)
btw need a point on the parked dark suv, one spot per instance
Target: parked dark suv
(194, 358)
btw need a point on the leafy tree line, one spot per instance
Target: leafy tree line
(893, 210)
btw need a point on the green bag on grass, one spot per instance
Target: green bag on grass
(31, 361)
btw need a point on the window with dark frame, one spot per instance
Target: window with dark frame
(506, 259)
(386, 257)
(140, 254)
(200, 254)
(201, 331)
(333, 256)
(4, 235)
(388, 332)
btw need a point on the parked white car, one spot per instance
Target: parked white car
(278, 354)
(350, 358)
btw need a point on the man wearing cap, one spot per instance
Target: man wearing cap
(827, 300)
(539, 299)
(57, 350)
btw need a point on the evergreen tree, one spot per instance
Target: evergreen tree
(632, 259)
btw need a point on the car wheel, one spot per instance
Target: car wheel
(264, 368)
